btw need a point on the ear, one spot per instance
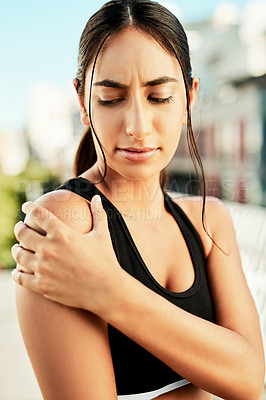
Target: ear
(83, 112)
(194, 91)
(192, 94)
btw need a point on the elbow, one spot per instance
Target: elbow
(251, 379)
(257, 375)
(256, 385)
(251, 391)
(244, 381)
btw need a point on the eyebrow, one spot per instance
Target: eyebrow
(117, 85)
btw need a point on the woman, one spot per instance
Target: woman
(107, 306)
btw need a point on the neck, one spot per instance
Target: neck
(135, 199)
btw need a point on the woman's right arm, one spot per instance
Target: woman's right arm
(68, 347)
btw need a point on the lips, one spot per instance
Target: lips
(139, 149)
(138, 153)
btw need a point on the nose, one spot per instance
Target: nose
(138, 120)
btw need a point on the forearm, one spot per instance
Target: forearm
(212, 357)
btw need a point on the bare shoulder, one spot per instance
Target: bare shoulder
(69, 207)
(218, 220)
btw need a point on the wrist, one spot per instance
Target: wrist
(113, 303)
(126, 301)
(108, 294)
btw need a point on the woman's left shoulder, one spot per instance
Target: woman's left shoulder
(217, 218)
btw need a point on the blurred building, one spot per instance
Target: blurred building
(14, 152)
(229, 56)
(53, 126)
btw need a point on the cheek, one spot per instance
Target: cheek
(107, 126)
(102, 115)
(170, 124)
(172, 116)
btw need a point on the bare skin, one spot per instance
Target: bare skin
(75, 265)
(51, 323)
(92, 330)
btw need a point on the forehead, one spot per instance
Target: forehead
(133, 52)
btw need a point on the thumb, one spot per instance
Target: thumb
(98, 213)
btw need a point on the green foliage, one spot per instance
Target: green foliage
(8, 216)
(15, 190)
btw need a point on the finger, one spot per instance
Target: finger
(42, 217)
(98, 212)
(28, 238)
(24, 269)
(24, 258)
(29, 281)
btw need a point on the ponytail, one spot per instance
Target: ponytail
(85, 155)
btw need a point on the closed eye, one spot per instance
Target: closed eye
(156, 100)
(109, 102)
(161, 100)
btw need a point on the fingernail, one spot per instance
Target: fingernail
(24, 206)
(13, 272)
(97, 198)
(20, 222)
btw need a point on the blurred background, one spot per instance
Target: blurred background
(40, 130)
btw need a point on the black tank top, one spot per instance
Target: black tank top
(137, 370)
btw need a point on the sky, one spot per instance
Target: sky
(39, 43)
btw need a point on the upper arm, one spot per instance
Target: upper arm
(68, 348)
(234, 306)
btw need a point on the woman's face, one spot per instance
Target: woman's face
(138, 105)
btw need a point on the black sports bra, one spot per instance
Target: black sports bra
(137, 370)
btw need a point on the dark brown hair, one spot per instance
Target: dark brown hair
(157, 21)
